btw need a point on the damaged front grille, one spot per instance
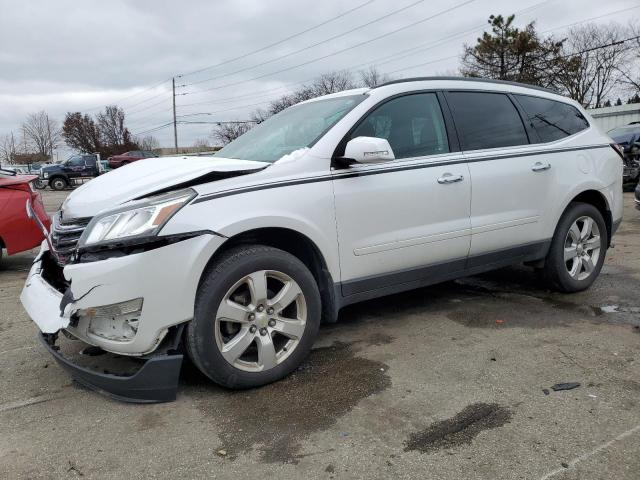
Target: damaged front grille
(65, 235)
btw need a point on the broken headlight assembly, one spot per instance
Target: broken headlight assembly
(117, 322)
(139, 219)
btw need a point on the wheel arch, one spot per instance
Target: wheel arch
(296, 244)
(600, 201)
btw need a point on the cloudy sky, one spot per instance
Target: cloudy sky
(230, 57)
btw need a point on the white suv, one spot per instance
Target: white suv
(238, 257)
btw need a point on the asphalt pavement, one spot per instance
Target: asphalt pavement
(447, 382)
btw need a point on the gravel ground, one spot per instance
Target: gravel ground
(441, 382)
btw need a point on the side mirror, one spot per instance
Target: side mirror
(369, 150)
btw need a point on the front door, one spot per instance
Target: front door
(404, 221)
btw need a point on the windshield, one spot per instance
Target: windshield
(296, 127)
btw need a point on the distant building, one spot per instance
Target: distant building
(608, 118)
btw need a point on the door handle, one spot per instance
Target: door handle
(448, 178)
(540, 167)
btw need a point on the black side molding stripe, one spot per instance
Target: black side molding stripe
(384, 284)
(401, 168)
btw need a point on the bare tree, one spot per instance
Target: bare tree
(260, 115)
(201, 144)
(148, 142)
(8, 148)
(372, 77)
(226, 132)
(42, 133)
(630, 70)
(591, 67)
(112, 128)
(332, 82)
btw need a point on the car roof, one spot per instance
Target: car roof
(466, 79)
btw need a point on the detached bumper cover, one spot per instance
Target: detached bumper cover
(155, 382)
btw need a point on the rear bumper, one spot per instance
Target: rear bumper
(156, 381)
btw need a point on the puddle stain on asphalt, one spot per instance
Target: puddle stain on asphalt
(460, 429)
(379, 339)
(276, 418)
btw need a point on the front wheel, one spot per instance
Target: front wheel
(257, 314)
(577, 250)
(58, 183)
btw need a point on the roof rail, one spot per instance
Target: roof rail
(467, 79)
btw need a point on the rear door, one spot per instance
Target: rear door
(405, 221)
(512, 189)
(90, 168)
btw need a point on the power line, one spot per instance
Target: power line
(135, 112)
(279, 42)
(130, 96)
(591, 19)
(432, 44)
(413, 24)
(154, 129)
(612, 44)
(379, 61)
(308, 47)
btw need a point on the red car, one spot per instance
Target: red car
(128, 157)
(23, 220)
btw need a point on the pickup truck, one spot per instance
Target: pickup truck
(73, 171)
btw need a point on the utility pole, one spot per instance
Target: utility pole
(175, 126)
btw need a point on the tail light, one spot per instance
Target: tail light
(619, 150)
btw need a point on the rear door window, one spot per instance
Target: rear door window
(550, 119)
(413, 125)
(486, 120)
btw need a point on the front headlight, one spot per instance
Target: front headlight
(143, 218)
(45, 174)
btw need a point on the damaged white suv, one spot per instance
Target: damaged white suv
(237, 257)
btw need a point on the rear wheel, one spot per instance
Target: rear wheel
(58, 183)
(256, 317)
(577, 250)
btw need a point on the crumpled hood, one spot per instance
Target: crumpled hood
(144, 177)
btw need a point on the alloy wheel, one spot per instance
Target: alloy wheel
(582, 247)
(260, 320)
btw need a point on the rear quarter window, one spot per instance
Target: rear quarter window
(550, 119)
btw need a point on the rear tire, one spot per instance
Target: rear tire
(256, 317)
(58, 183)
(577, 249)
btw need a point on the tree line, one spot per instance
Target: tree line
(589, 64)
(594, 64)
(39, 135)
(331, 82)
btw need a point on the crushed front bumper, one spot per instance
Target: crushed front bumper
(156, 381)
(166, 278)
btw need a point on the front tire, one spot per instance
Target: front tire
(257, 314)
(58, 184)
(577, 250)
